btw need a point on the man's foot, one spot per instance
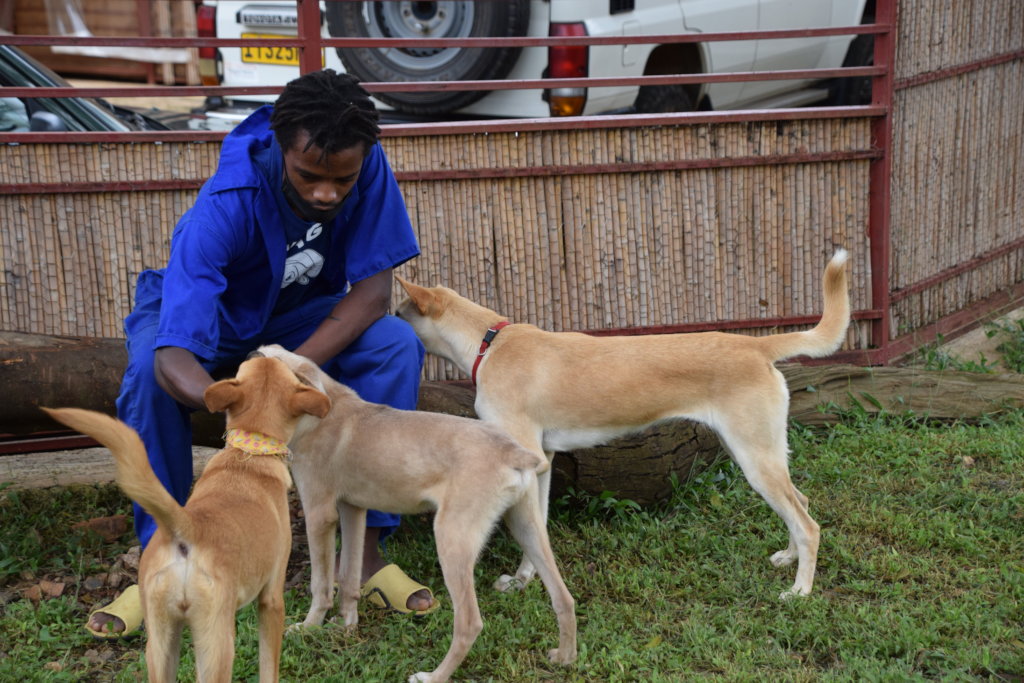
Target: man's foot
(98, 622)
(419, 601)
(119, 619)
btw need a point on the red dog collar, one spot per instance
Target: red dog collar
(488, 338)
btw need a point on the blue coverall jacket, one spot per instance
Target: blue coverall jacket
(216, 297)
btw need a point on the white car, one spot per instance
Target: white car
(261, 66)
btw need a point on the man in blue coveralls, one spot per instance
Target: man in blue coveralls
(292, 241)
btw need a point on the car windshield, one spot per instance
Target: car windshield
(18, 69)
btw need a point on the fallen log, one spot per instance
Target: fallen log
(40, 370)
(936, 394)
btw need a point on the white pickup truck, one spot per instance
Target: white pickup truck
(252, 66)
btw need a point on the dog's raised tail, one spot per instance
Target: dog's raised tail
(825, 337)
(134, 474)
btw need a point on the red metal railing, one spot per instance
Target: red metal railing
(880, 212)
(310, 43)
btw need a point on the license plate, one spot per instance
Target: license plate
(286, 55)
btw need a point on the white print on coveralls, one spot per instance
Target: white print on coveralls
(305, 264)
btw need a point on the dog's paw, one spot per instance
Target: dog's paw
(794, 592)
(783, 558)
(506, 583)
(564, 658)
(421, 677)
(300, 627)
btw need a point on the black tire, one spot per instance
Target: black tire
(663, 99)
(446, 19)
(849, 92)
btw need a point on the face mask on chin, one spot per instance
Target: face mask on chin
(304, 209)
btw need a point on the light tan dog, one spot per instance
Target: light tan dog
(563, 391)
(365, 455)
(229, 545)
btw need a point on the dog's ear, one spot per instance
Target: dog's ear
(425, 299)
(221, 395)
(307, 374)
(310, 401)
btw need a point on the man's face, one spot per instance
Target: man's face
(316, 187)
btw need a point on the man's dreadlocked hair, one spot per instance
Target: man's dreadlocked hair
(333, 108)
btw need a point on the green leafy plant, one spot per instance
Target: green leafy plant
(603, 506)
(1012, 347)
(934, 357)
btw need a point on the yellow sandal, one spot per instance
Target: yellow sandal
(128, 608)
(390, 588)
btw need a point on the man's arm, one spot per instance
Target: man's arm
(366, 302)
(180, 375)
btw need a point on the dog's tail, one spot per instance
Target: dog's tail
(825, 337)
(134, 474)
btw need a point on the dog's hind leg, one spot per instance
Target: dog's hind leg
(213, 635)
(526, 525)
(527, 567)
(529, 439)
(786, 557)
(460, 535)
(759, 447)
(163, 648)
(271, 624)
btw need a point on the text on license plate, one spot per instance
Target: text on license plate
(287, 55)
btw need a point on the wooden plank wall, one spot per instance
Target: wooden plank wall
(583, 250)
(116, 18)
(958, 157)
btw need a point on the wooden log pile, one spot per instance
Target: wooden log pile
(68, 371)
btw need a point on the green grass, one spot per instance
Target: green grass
(919, 578)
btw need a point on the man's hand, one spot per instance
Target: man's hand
(367, 302)
(180, 375)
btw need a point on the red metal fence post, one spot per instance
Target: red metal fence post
(879, 227)
(309, 33)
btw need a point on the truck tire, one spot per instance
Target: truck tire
(446, 19)
(663, 99)
(848, 92)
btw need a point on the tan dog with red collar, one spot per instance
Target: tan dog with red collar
(563, 391)
(229, 544)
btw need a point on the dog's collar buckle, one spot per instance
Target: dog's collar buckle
(492, 332)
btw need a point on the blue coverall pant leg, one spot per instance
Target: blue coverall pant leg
(382, 365)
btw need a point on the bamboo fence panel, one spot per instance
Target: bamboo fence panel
(588, 249)
(934, 36)
(958, 190)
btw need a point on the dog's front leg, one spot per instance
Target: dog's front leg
(321, 522)
(350, 567)
(527, 570)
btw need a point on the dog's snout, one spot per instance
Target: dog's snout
(255, 354)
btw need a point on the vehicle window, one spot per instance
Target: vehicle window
(13, 115)
(78, 113)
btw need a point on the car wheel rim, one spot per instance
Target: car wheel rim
(420, 20)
